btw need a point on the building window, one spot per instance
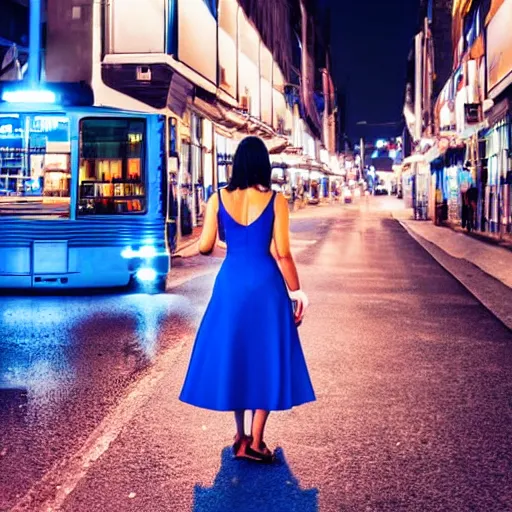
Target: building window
(173, 136)
(112, 160)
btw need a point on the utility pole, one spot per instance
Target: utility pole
(361, 166)
(34, 45)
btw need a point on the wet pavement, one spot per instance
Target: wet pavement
(64, 362)
(413, 379)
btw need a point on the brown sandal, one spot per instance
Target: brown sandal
(260, 457)
(263, 447)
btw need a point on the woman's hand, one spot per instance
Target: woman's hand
(302, 301)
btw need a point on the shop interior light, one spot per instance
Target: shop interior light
(28, 96)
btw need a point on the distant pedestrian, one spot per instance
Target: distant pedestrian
(247, 354)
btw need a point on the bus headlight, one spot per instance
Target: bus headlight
(128, 253)
(146, 275)
(147, 251)
(144, 252)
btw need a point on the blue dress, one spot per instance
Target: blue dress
(247, 353)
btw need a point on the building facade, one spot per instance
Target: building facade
(467, 146)
(217, 70)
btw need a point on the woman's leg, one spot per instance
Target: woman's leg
(259, 420)
(240, 444)
(240, 423)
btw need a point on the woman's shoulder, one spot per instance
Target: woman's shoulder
(213, 201)
(280, 199)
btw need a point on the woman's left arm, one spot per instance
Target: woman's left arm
(210, 228)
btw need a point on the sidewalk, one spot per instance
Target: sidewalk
(493, 260)
(484, 269)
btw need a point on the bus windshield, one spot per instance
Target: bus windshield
(35, 173)
(112, 166)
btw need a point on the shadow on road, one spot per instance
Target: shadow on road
(242, 485)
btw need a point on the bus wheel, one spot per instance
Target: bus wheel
(160, 284)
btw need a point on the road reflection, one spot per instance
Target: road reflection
(51, 345)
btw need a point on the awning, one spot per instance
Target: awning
(433, 153)
(417, 158)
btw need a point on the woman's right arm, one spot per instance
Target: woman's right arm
(281, 244)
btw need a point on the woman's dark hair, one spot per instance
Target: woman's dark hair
(251, 165)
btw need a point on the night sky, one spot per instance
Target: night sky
(370, 41)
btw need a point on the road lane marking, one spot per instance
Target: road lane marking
(61, 480)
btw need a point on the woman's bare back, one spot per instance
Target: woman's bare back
(245, 206)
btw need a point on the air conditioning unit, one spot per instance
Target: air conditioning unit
(245, 103)
(143, 73)
(473, 113)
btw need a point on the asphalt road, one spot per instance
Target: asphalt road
(413, 380)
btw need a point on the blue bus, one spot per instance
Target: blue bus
(83, 197)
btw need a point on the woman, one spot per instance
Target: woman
(247, 354)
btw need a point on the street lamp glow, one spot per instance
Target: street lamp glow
(28, 96)
(380, 144)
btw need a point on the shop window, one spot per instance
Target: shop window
(173, 136)
(112, 160)
(35, 172)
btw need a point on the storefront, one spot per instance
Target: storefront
(225, 148)
(497, 165)
(497, 186)
(194, 170)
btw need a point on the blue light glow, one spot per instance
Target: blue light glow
(128, 253)
(146, 274)
(28, 96)
(147, 251)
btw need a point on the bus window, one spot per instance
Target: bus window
(112, 160)
(35, 170)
